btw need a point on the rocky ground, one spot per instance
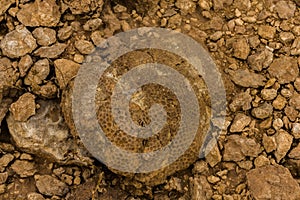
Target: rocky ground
(255, 44)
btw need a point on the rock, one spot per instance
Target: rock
(23, 108)
(272, 182)
(221, 4)
(284, 141)
(296, 130)
(3, 177)
(4, 107)
(5, 160)
(18, 43)
(50, 186)
(38, 73)
(291, 113)
(277, 124)
(268, 94)
(297, 84)
(65, 71)
(285, 69)
(260, 60)
(279, 103)
(241, 48)
(266, 32)
(200, 188)
(51, 52)
(261, 161)
(213, 157)
(263, 111)
(23, 168)
(40, 13)
(5, 4)
(92, 24)
(295, 153)
(295, 101)
(240, 122)
(84, 46)
(24, 65)
(245, 78)
(285, 9)
(186, 6)
(64, 33)
(295, 49)
(46, 134)
(238, 147)
(8, 75)
(49, 90)
(286, 37)
(44, 36)
(84, 6)
(241, 101)
(35, 196)
(269, 143)
(97, 38)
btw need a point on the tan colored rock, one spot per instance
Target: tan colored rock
(44, 36)
(285, 9)
(50, 186)
(65, 71)
(284, 141)
(260, 60)
(261, 161)
(35, 196)
(285, 69)
(24, 168)
(295, 153)
(263, 111)
(5, 160)
(18, 43)
(200, 188)
(23, 108)
(214, 156)
(40, 13)
(38, 73)
(268, 94)
(240, 122)
(84, 6)
(273, 182)
(245, 78)
(65, 33)
(296, 130)
(279, 103)
(84, 46)
(295, 101)
(24, 64)
(241, 101)
(238, 147)
(269, 143)
(5, 4)
(186, 6)
(241, 48)
(52, 51)
(266, 32)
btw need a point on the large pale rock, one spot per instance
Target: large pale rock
(18, 43)
(273, 182)
(40, 13)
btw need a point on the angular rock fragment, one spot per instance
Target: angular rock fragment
(245, 78)
(5, 4)
(65, 71)
(200, 188)
(44, 36)
(50, 186)
(263, 111)
(24, 168)
(284, 141)
(285, 9)
(84, 46)
(52, 51)
(38, 73)
(23, 108)
(241, 101)
(24, 64)
(260, 60)
(80, 7)
(266, 32)
(241, 48)
(240, 122)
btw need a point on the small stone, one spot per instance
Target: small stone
(24, 65)
(279, 103)
(297, 84)
(266, 32)
(213, 179)
(285, 69)
(97, 38)
(240, 122)
(44, 36)
(200, 167)
(35, 196)
(245, 78)
(285, 9)
(284, 141)
(119, 8)
(261, 161)
(65, 33)
(291, 113)
(295, 101)
(241, 101)
(295, 49)
(84, 46)
(241, 48)
(50, 186)
(238, 147)
(245, 164)
(216, 36)
(5, 160)
(92, 24)
(263, 111)
(214, 155)
(260, 60)
(286, 37)
(24, 168)
(277, 124)
(38, 73)
(23, 108)
(3, 177)
(186, 6)
(221, 4)
(26, 156)
(80, 7)
(2, 188)
(295, 153)
(272, 182)
(18, 43)
(269, 143)
(40, 13)
(296, 130)
(268, 94)
(5, 4)
(65, 71)
(52, 51)
(49, 90)
(200, 188)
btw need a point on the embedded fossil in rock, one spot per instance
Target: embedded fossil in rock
(139, 107)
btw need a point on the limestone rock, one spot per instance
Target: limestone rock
(273, 182)
(65, 70)
(240, 122)
(52, 51)
(23, 108)
(284, 141)
(245, 78)
(18, 43)
(50, 186)
(40, 13)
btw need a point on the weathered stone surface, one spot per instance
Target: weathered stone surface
(52, 51)
(285, 69)
(18, 43)
(295, 101)
(65, 70)
(260, 60)
(84, 46)
(23, 168)
(44, 36)
(5, 160)
(285, 9)
(238, 147)
(295, 49)
(92, 24)
(64, 33)
(40, 13)
(245, 78)
(80, 7)
(266, 32)
(38, 72)
(240, 122)
(23, 108)
(279, 103)
(296, 130)
(284, 141)
(200, 188)
(241, 48)
(241, 101)
(221, 4)
(5, 4)
(50, 186)
(263, 111)
(295, 153)
(186, 6)
(24, 64)
(273, 182)
(8, 75)
(268, 94)
(214, 155)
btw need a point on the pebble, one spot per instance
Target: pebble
(261, 160)
(241, 48)
(18, 43)
(186, 6)
(200, 188)
(38, 72)
(279, 103)
(277, 124)
(268, 94)
(260, 60)
(24, 168)
(295, 101)
(65, 71)
(44, 36)
(245, 78)
(53, 51)
(24, 65)
(285, 9)
(50, 186)
(5, 4)
(5, 160)
(241, 101)
(263, 111)
(92, 24)
(84, 46)
(284, 141)
(295, 153)
(35, 196)
(266, 32)
(269, 143)
(295, 49)
(240, 122)
(286, 37)
(296, 130)
(65, 33)
(23, 108)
